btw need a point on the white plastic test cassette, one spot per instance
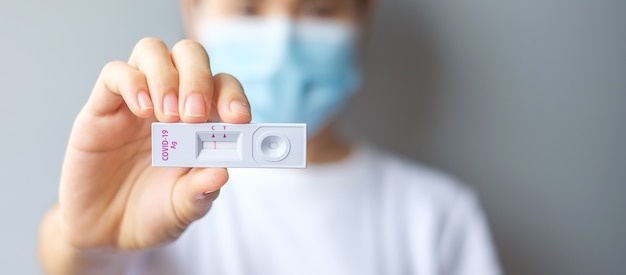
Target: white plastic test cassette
(229, 145)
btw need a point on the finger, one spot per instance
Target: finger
(194, 193)
(195, 90)
(230, 100)
(152, 57)
(117, 84)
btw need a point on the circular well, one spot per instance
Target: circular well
(274, 146)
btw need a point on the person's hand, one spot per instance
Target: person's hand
(110, 195)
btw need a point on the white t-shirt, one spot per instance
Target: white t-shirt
(372, 213)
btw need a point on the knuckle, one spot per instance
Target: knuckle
(225, 76)
(113, 65)
(116, 71)
(150, 42)
(187, 49)
(188, 44)
(145, 49)
(229, 82)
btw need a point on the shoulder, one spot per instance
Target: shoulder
(441, 217)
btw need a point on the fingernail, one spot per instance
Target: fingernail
(205, 194)
(170, 107)
(144, 101)
(195, 106)
(239, 107)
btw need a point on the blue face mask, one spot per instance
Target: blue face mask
(291, 71)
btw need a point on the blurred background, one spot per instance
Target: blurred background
(523, 100)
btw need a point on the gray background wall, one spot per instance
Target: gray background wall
(524, 100)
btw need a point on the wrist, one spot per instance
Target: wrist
(58, 256)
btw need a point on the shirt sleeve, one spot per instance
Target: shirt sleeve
(465, 245)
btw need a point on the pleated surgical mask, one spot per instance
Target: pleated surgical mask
(291, 70)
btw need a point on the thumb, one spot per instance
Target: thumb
(195, 192)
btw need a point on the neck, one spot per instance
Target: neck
(327, 147)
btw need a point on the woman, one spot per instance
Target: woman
(355, 210)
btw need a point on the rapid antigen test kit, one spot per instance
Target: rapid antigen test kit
(270, 145)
